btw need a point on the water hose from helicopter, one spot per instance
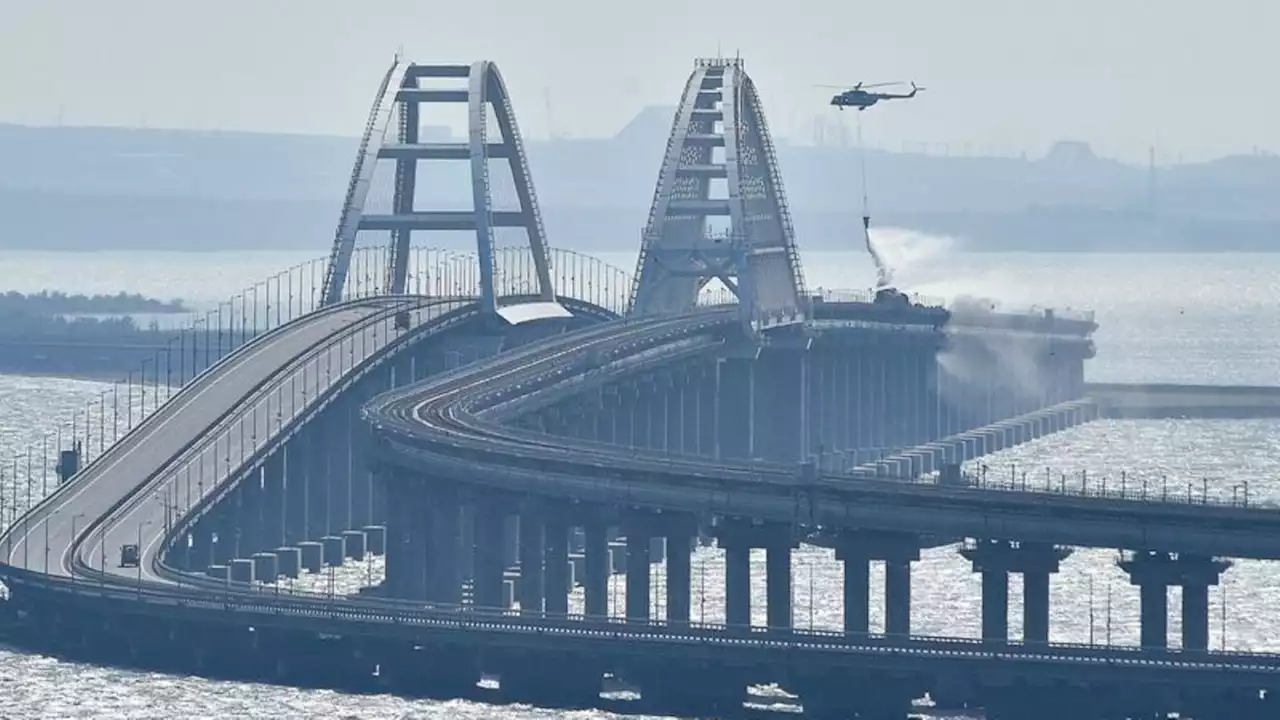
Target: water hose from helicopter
(884, 276)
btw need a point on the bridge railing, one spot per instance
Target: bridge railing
(1137, 487)
(89, 432)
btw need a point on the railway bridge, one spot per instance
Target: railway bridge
(510, 430)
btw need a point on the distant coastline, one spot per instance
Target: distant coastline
(57, 303)
(90, 189)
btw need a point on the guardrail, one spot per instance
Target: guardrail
(211, 336)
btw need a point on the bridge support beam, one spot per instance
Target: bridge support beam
(1154, 572)
(995, 559)
(856, 549)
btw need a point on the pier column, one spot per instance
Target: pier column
(531, 558)
(445, 577)
(738, 537)
(1035, 607)
(856, 549)
(857, 592)
(735, 408)
(737, 584)
(489, 537)
(637, 574)
(1154, 572)
(596, 587)
(897, 598)
(679, 577)
(996, 559)
(782, 426)
(557, 565)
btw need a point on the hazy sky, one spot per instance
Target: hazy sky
(1194, 78)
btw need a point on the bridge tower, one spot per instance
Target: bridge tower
(392, 139)
(719, 211)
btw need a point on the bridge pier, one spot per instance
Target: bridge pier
(444, 515)
(273, 501)
(781, 423)
(1154, 572)
(596, 585)
(856, 549)
(735, 408)
(995, 559)
(556, 561)
(532, 551)
(490, 563)
(738, 537)
(638, 537)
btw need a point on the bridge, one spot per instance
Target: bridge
(503, 428)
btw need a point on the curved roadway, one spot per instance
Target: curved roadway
(199, 438)
(203, 436)
(452, 425)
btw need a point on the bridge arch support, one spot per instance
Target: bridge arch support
(720, 165)
(393, 137)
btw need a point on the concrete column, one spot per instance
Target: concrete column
(1154, 602)
(637, 576)
(200, 554)
(857, 592)
(897, 591)
(361, 479)
(273, 502)
(624, 417)
(416, 519)
(596, 587)
(642, 417)
(735, 408)
(679, 578)
(1195, 616)
(1153, 572)
(531, 556)
(737, 586)
(995, 605)
(489, 564)
(444, 571)
(778, 587)
(1035, 607)
(557, 566)
(249, 516)
(673, 409)
(295, 492)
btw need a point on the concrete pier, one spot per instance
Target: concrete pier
(995, 560)
(1154, 573)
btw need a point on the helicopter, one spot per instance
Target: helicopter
(859, 97)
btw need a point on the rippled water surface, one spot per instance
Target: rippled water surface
(1175, 318)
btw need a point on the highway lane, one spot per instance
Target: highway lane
(222, 448)
(443, 425)
(130, 462)
(200, 425)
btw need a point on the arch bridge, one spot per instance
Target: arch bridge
(493, 429)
